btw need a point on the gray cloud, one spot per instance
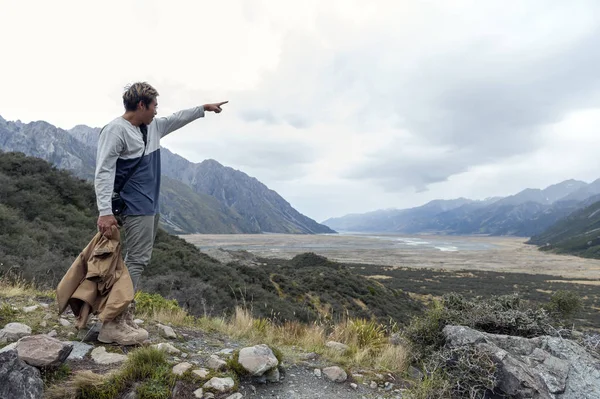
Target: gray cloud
(479, 99)
(483, 109)
(264, 115)
(271, 159)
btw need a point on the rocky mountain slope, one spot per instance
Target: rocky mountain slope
(239, 204)
(526, 213)
(577, 234)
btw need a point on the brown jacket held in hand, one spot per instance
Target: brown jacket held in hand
(97, 282)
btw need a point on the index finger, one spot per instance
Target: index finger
(221, 103)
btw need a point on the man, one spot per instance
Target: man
(120, 146)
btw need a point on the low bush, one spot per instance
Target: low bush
(564, 304)
(151, 303)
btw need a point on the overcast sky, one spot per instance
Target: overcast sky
(339, 106)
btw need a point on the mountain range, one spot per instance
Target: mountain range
(577, 234)
(526, 213)
(204, 197)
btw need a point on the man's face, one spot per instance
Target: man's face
(148, 113)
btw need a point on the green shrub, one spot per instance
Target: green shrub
(369, 333)
(7, 313)
(471, 372)
(234, 365)
(425, 332)
(150, 303)
(148, 366)
(456, 374)
(433, 386)
(564, 304)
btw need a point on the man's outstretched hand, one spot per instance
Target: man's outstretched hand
(216, 107)
(105, 224)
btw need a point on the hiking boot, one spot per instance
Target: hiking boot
(118, 331)
(128, 316)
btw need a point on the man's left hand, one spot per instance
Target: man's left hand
(216, 107)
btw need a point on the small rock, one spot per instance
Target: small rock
(272, 375)
(184, 355)
(79, 350)
(353, 386)
(14, 331)
(167, 332)
(52, 333)
(199, 393)
(100, 356)
(317, 373)
(219, 384)
(43, 351)
(373, 385)
(335, 374)
(29, 309)
(138, 321)
(202, 373)
(209, 395)
(48, 316)
(337, 346)
(226, 351)
(44, 305)
(309, 356)
(43, 323)
(215, 363)
(181, 368)
(64, 322)
(167, 347)
(236, 395)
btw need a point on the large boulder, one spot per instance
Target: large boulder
(257, 360)
(43, 351)
(540, 368)
(19, 380)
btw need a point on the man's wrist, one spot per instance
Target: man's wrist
(106, 212)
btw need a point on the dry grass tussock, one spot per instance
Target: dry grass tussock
(11, 287)
(368, 340)
(78, 382)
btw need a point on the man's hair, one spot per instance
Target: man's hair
(140, 91)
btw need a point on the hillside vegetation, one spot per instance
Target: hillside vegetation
(577, 234)
(47, 217)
